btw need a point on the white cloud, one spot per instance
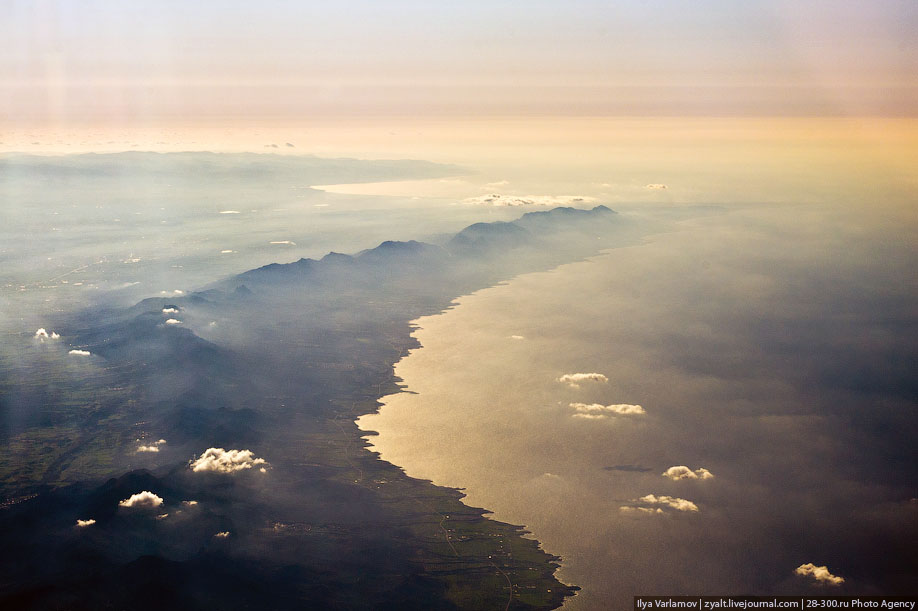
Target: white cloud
(174, 292)
(229, 212)
(222, 535)
(574, 379)
(682, 472)
(656, 186)
(170, 310)
(42, 335)
(173, 321)
(819, 573)
(227, 252)
(651, 503)
(79, 352)
(589, 416)
(283, 242)
(85, 523)
(142, 499)
(496, 199)
(226, 461)
(162, 516)
(601, 411)
(669, 501)
(152, 447)
(518, 337)
(630, 509)
(189, 503)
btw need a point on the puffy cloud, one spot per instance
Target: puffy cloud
(820, 573)
(574, 379)
(142, 499)
(597, 410)
(669, 501)
(656, 186)
(170, 310)
(222, 535)
(227, 461)
(651, 503)
(496, 199)
(682, 472)
(42, 335)
(85, 523)
(79, 352)
(152, 447)
(173, 321)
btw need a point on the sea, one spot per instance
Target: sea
(702, 413)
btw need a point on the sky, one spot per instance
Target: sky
(140, 63)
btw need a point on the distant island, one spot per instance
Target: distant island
(209, 456)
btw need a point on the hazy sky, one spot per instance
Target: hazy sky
(133, 62)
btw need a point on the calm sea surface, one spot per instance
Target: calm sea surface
(753, 341)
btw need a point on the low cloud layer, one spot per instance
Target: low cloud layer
(575, 379)
(79, 352)
(819, 573)
(145, 499)
(496, 199)
(682, 472)
(227, 461)
(597, 410)
(651, 503)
